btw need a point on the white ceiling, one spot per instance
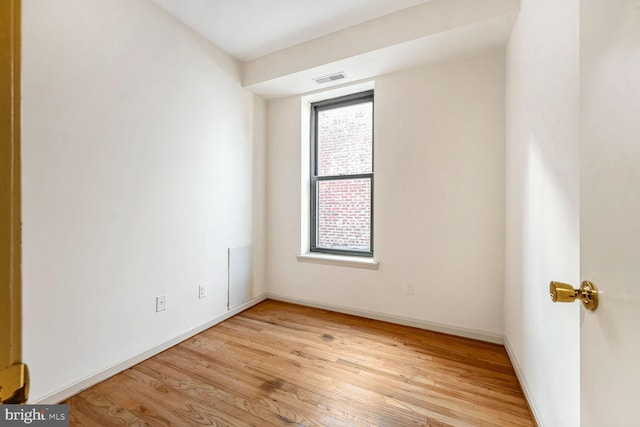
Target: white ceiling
(483, 36)
(285, 44)
(248, 29)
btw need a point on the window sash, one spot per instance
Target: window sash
(315, 179)
(315, 216)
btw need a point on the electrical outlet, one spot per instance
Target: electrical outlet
(408, 289)
(161, 302)
(202, 290)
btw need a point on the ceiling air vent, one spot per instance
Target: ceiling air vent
(330, 78)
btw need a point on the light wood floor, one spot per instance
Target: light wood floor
(287, 365)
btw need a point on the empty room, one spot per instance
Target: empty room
(320, 213)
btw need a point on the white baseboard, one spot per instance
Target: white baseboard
(430, 326)
(523, 383)
(134, 359)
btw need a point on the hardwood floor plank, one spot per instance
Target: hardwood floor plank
(250, 378)
(280, 364)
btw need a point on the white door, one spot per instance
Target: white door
(610, 211)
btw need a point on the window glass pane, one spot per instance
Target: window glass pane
(345, 140)
(344, 214)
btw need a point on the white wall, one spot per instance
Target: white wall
(138, 163)
(542, 200)
(439, 201)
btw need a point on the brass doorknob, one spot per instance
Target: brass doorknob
(562, 292)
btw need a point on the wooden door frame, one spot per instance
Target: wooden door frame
(13, 375)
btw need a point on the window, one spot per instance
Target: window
(342, 175)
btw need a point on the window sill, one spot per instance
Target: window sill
(341, 260)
